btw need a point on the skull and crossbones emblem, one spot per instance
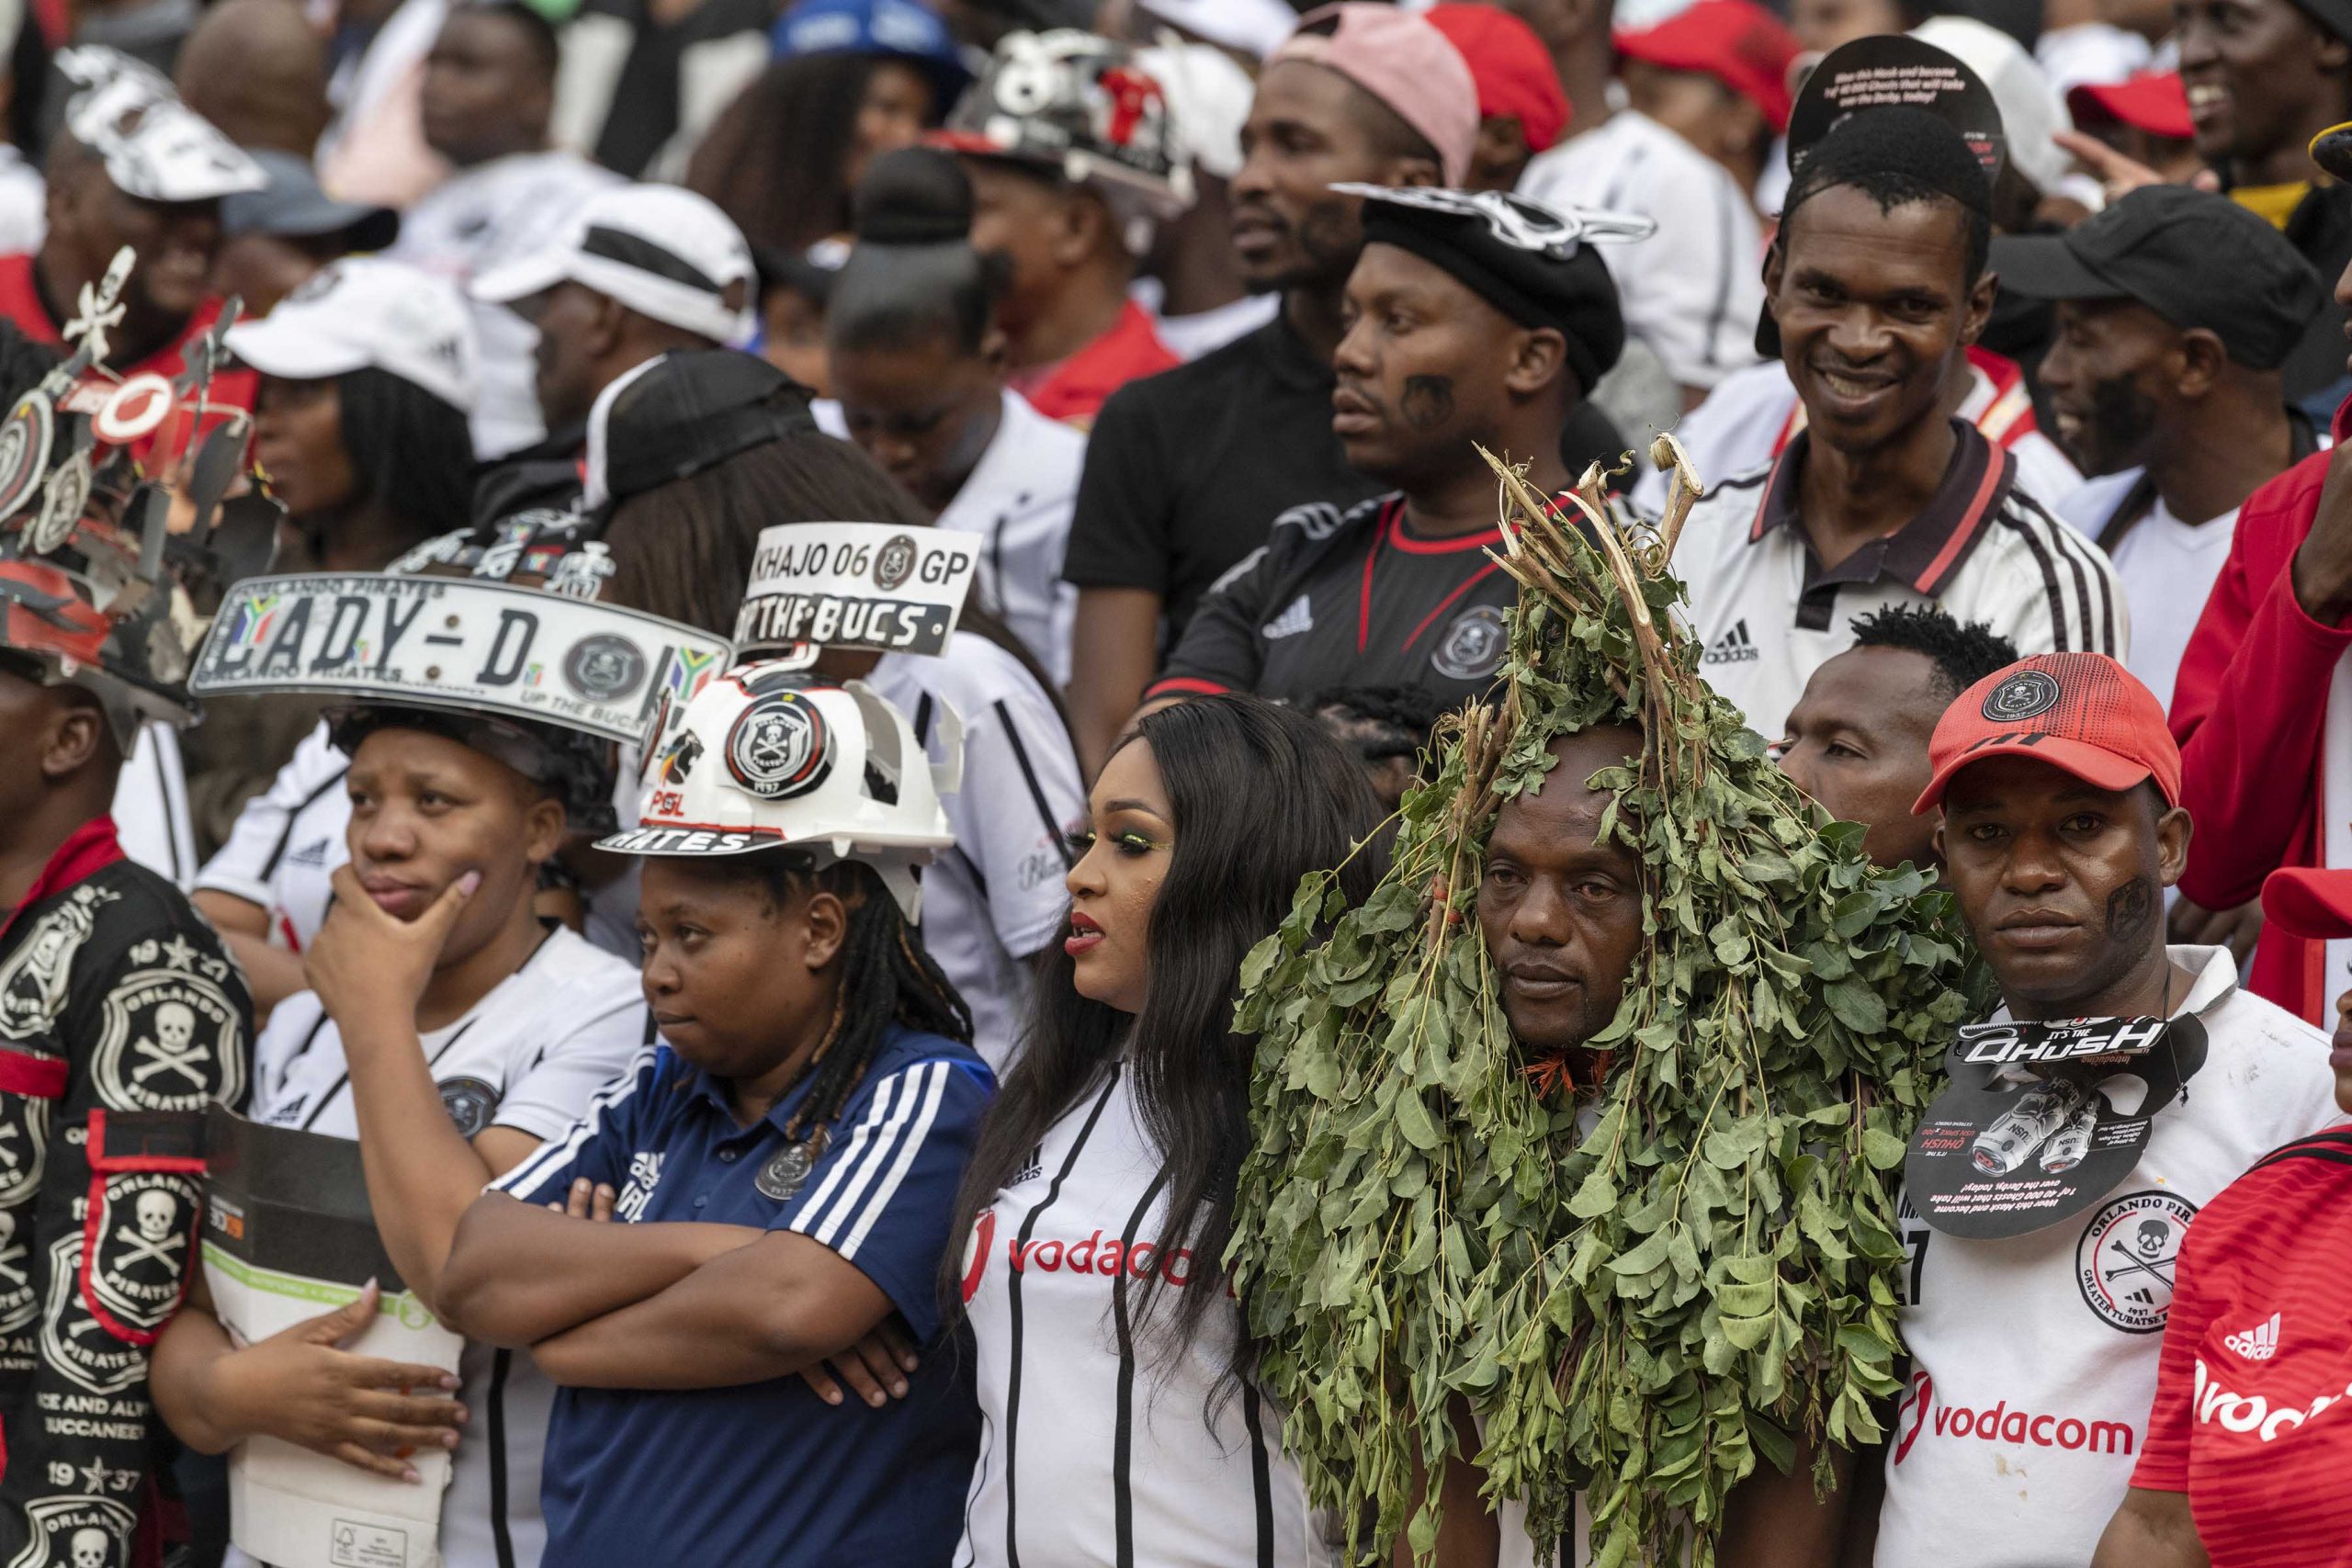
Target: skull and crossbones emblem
(155, 1212)
(173, 1048)
(11, 1251)
(88, 1547)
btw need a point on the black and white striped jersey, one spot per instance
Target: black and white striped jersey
(1767, 614)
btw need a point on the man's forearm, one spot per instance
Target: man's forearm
(518, 1274)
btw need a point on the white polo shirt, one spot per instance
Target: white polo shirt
(1096, 1443)
(2168, 568)
(998, 896)
(1693, 289)
(530, 1055)
(1768, 615)
(2033, 1359)
(1018, 498)
(286, 843)
(1753, 413)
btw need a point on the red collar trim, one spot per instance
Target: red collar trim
(87, 849)
(1413, 544)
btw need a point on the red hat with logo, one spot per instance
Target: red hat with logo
(1511, 67)
(1738, 43)
(2309, 901)
(2152, 101)
(2081, 713)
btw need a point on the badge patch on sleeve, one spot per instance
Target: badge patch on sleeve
(171, 1042)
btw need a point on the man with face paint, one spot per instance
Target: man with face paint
(1185, 469)
(1473, 320)
(2036, 1353)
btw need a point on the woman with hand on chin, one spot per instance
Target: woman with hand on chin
(773, 1184)
(451, 1031)
(1113, 1374)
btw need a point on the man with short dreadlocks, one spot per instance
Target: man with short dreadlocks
(1571, 1179)
(773, 1184)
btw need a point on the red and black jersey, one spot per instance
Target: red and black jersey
(2253, 1414)
(1350, 598)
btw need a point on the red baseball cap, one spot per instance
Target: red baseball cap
(2309, 901)
(1511, 67)
(2082, 712)
(1738, 43)
(2152, 101)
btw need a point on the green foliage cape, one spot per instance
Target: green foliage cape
(1641, 1308)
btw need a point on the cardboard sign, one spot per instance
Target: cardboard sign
(1896, 69)
(865, 585)
(2042, 1119)
(460, 643)
(288, 1234)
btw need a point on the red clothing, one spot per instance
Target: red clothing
(21, 302)
(1073, 389)
(2250, 712)
(2252, 1417)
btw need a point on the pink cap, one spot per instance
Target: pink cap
(1401, 59)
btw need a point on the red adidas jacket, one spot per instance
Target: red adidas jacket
(2249, 710)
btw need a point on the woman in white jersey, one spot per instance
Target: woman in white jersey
(452, 1031)
(1120, 1422)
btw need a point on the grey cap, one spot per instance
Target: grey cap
(292, 206)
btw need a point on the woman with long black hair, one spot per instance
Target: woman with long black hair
(1122, 1424)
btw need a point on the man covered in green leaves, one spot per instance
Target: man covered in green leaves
(1575, 1142)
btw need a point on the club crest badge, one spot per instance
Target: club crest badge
(75, 1533)
(25, 438)
(137, 1233)
(604, 668)
(1473, 645)
(778, 747)
(33, 977)
(24, 1149)
(469, 1102)
(786, 1172)
(18, 1300)
(2022, 695)
(169, 1042)
(2125, 1261)
(73, 1339)
(894, 563)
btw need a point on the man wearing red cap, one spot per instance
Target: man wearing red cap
(1521, 110)
(2034, 1352)
(1716, 74)
(2238, 1471)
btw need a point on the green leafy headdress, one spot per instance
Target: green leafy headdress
(1642, 1290)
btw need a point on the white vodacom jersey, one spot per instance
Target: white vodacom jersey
(1692, 290)
(287, 842)
(1095, 1443)
(1753, 413)
(2033, 1357)
(1018, 498)
(997, 897)
(530, 1055)
(1768, 615)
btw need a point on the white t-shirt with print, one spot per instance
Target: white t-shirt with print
(2168, 568)
(2033, 1359)
(1058, 1465)
(1018, 498)
(530, 1055)
(997, 896)
(287, 842)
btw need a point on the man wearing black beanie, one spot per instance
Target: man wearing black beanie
(1471, 321)
(1875, 286)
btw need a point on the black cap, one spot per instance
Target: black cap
(2193, 257)
(684, 412)
(1526, 260)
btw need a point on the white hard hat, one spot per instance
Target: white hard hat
(767, 759)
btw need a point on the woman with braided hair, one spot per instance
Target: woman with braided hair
(773, 1184)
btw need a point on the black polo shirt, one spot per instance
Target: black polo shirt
(1351, 599)
(1186, 469)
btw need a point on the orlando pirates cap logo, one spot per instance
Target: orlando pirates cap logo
(895, 563)
(24, 437)
(64, 500)
(779, 748)
(604, 668)
(2021, 695)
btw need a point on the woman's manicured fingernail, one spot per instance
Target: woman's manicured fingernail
(468, 882)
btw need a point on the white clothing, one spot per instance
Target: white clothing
(2094, 53)
(286, 843)
(1693, 289)
(1054, 1371)
(24, 204)
(2167, 567)
(150, 809)
(997, 896)
(1767, 618)
(530, 1055)
(1203, 332)
(2033, 1357)
(481, 218)
(1751, 415)
(1019, 497)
